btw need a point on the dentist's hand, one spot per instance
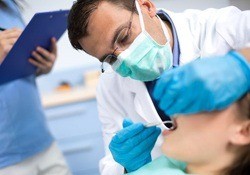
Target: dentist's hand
(44, 59)
(131, 147)
(203, 85)
(7, 40)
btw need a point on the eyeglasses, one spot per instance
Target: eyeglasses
(110, 59)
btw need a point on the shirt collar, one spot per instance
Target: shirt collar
(176, 49)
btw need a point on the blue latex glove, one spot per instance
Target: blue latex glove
(203, 85)
(131, 147)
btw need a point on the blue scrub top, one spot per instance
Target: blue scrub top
(176, 59)
(23, 129)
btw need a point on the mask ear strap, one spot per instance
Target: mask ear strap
(140, 15)
(165, 31)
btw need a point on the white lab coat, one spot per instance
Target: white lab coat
(201, 34)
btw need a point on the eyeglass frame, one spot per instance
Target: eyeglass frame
(129, 28)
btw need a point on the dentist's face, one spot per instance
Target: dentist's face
(109, 20)
(200, 138)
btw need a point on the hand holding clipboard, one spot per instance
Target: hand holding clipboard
(40, 30)
(44, 59)
(7, 40)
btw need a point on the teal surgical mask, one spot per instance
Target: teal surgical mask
(144, 59)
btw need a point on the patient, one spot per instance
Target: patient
(215, 143)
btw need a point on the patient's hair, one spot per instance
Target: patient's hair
(241, 165)
(79, 17)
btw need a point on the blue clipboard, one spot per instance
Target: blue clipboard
(39, 31)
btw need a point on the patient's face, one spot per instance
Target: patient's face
(199, 138)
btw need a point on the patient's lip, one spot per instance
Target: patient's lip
(166, 132)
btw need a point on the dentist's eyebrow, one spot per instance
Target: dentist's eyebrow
(112, 43)
(117, 32)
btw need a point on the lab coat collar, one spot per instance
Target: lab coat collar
(142, 100)
(189, 49)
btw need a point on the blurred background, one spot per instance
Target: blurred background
(71, 59)
(68, 93)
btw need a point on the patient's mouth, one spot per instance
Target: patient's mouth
(171, 127)
(174, 123)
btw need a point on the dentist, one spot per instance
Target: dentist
(142, 45)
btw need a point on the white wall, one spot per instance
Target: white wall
(181, 5)
(242, 4)
(69, 58)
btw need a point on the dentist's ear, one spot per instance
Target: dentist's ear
(149, 6)
(241, 136)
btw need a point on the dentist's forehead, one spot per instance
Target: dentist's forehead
(102, 25)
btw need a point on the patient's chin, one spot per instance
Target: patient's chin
(170, 146)
(167, 150)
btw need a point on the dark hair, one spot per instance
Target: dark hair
(79, 17)
(241, 165)
(19, 3)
